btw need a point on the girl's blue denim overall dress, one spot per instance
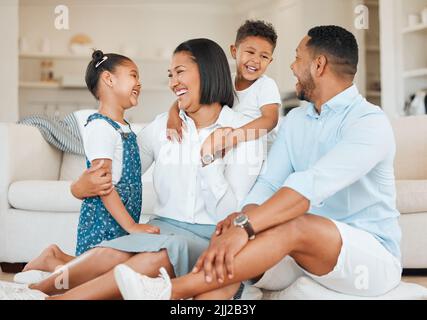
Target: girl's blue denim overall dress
(96, 224)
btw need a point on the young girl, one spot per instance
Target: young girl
(109, 141)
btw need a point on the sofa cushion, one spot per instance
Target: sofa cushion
(47, 196)
(411, 147)
(72, 167)
(411, 196)
(55, 196)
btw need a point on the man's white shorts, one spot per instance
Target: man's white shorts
(364, 267)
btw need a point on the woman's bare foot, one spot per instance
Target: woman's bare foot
(48, 260)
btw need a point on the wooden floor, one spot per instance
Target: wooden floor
(6, 276)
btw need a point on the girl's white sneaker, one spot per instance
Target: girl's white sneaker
(30, 277)
(134, 286)
(14, 291)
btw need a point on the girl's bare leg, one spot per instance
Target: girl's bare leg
(105, 288)
(49, 259)
(82, 269)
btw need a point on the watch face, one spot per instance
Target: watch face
(207, 158)
(241, 219)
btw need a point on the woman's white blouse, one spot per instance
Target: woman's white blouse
(185, 190)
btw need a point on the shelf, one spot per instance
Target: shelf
(373, 94)
(70, 56)
(420, 27)
(415, 73)
(371, 3)
(65, 56)
(58, 85)
(39, 85)
(373, 49)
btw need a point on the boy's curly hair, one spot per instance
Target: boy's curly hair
(257, 28)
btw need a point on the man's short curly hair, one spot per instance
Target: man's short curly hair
(338, 44)
(257, 28)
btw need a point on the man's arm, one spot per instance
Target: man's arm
(371, 139)
(276, 169)
(274, 172)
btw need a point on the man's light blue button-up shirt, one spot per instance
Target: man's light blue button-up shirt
(342, 161)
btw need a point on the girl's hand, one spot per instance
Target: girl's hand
(143, 228)
(174, 129)
(175, 125)
(219, 140)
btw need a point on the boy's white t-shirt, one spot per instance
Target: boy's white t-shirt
(262, 92)
(102, 141)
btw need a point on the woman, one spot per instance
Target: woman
(194, 189)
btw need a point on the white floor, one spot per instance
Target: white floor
(412, 279)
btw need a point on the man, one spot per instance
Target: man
(325, 206)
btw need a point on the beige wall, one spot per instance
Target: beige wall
(292, 19)
(154, 26)
(151, 28)
(9, 60)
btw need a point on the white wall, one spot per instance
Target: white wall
(9, 61)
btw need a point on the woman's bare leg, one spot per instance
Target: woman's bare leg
(86, 267)
(105, 288)
(49, 259)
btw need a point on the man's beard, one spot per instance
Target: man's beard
(302, 96)
(307, 88)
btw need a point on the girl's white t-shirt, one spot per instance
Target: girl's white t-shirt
(102, 141)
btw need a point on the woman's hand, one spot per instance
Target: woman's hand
(95, 181)
(143, 228)
(219, 140)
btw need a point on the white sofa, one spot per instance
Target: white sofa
(36, 206)
(37, 209)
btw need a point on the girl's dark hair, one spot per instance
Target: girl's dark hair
(101, 62)
(215, 75)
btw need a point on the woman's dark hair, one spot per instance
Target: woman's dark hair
(339, 44)
(214, 70)
(257, 28)
(101, 62)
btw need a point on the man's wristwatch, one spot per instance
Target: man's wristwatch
(242, 221)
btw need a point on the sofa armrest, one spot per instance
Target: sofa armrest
(25, 155)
